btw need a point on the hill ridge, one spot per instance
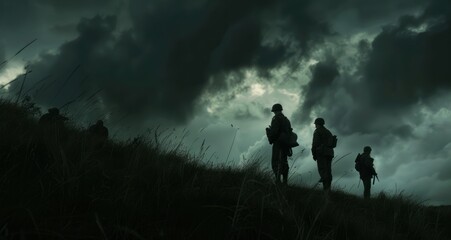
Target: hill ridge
(58, 184)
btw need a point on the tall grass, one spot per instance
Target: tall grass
(60, 186)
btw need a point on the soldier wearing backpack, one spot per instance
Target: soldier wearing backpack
(323, 145)
(280, 125)
(98, 133)
(364, 165)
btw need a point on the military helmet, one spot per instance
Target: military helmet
(319, 121)
(99, 122)
(367, 149)
(276, 107)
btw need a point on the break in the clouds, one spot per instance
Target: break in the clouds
(376, 71)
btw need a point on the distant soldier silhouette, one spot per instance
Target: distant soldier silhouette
(52, 127)
(99, 133)
(279, 124)
(323, 152)
(52, 118)
(364, 165)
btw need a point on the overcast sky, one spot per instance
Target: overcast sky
(207, 73)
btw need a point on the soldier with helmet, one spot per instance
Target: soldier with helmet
(323, 152)
(279, 124)
(364, 165)
(99, 134)
(52, 127)
(52, 117)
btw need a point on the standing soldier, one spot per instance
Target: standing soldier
(323, 152)
(364, 165)
(99, 134)
(279, 124)
(52, 118)
(52, 125)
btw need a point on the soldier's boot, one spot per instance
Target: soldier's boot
(366, 188)
(326, 185)
(285, 178)
(366, 194)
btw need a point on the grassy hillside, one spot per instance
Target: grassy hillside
(60, 186)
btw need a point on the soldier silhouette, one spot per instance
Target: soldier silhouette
(364, 165)
(52, 117)
(323, 152)
(52, 128)
(279, 124)
(99, 133)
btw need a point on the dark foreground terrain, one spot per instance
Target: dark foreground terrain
(61, 185)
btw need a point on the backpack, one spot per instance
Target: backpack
(333, 141)
(289, 139)
(358, 163)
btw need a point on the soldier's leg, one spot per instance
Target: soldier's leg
(322, 165)
(328, 173)
(275, 162)
(366, 187)
(284, 166)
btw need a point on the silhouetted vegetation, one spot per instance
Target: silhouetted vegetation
(64, 188)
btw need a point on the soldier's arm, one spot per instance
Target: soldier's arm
(316, 139)
(372, 166)
(315, 143)
(275, 128)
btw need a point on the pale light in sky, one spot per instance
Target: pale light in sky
(10, 73)
(257, 89)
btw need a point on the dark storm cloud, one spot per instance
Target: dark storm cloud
(369, 10)
(405, 65)
(306, 25)
(238, 47)
(323, 75)
(75, 5)
(161, 64)
(242, 47)
(2, 56)
(64, 28)
(171, 54)
(16, 14)
(68, 68)
(190, 56)
(175, 51)
(15, 19)
(403, 131)
(272, 56)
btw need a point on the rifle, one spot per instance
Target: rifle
(375, 177)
